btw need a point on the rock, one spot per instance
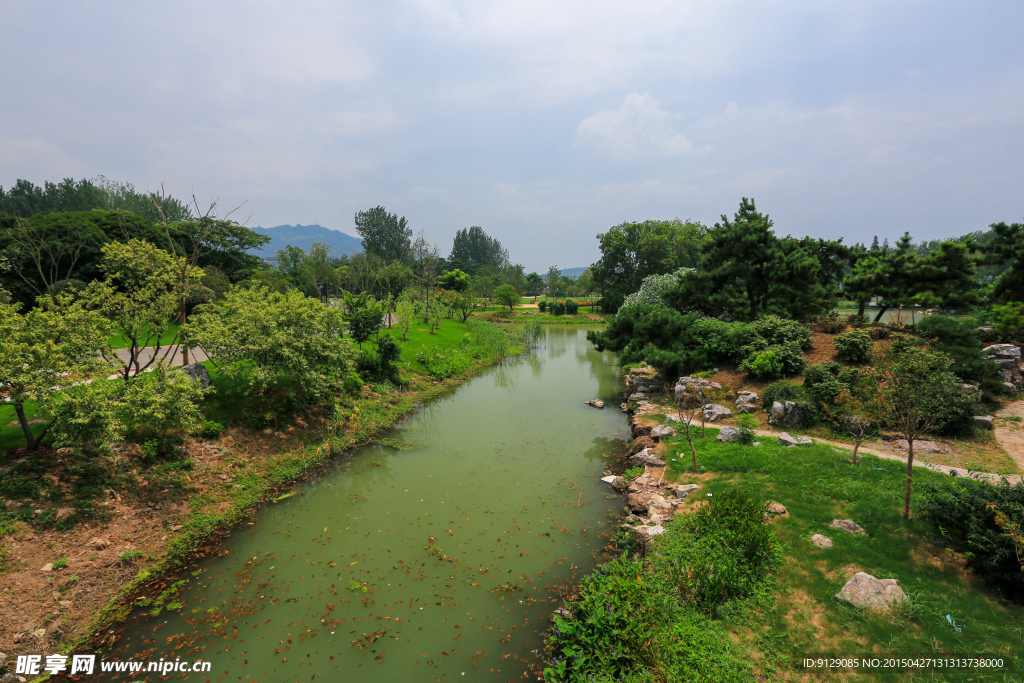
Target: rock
(39, 633)
(683, 490)
(596, 402)
(804, 441)
(922, 446)
(746, 409)
(64, 452)
(646, 458)
(662, 432)
(790, 415)
(728, 434)
(63, 513)
(714, 412)
(1002, 351)
(48, 567)
(197, 372)
(619, 484)
(11, 505)
(65, 603)
(775, 509)
(98, 542)
(777, 414)
(849, 526)
(786, 440)
(864, 590)
(744, 397)
(175, 527)
(640, 429)
(641, 443)
(638, 502)
(821, 541)
(983, 421)
(3, 660)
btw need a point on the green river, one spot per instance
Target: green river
(443, 562)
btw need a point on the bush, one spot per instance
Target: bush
(764, 365)
(853, 346)
(745, 425)
(381, 366)
(959, 510)
(832, 323)
(724, 342)
(723, 551)
(960, 340)
(858, 320)
(1008, 319)
(779, 331)
(782, 391)
(558, 308)
(877, 332)
(542, 306)
(571, 307)
(211, 430)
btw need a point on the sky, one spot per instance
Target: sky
(545, 123)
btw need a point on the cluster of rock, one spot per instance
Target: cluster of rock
(651, 504)
(691, 385)
(790, 415)
(1010, 371)
(746, 402)
(785, 439)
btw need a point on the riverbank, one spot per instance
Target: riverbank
(687, 603)
(67, 574)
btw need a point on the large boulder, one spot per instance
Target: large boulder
(983, 421)
(746, 397)
(662, 432)
(790, 415)
(746, 409)
(849, 526)
(786, 440)
(728, 434)
(714, 412)
(1007, 351)
(197, 372)
(864, 590)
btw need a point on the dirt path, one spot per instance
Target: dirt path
(889, 455)
(1010, 432)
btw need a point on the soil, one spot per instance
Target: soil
(1010, 432)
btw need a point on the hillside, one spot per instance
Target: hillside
(303, 236)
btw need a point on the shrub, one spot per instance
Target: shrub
(782, 391)
(778, 331)
(877, 332)
(853, 346)
(1008, 319)
(60, 563)
(960, 340)
(858, 320)
(723, 551)
(571, 307)
(832, 323)
(542, 306)
(961, 513)
(558, 308)
(724, 342)
(764, 365)
(746, 424)
(211, 430)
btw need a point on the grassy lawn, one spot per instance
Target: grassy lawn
(11, 436)
(118, 341)
(818, 484)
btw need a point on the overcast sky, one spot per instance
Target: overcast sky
(543, 122)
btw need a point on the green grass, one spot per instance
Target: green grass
(818, 484)
(11, 435)
(118, 341)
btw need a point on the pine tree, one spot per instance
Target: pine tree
(874, 244)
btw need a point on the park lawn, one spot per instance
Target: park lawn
(118, 341)
(11, 435)
(818, 484)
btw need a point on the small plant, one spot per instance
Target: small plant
(632, 472)
(858, 320)
(764, 365)
(129, 556)
(746, 424)
(832, 323)
(853, 346)
(877, 332)
(211, 430)
(67, 584)
(60, 563)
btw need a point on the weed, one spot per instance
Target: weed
(60, 563)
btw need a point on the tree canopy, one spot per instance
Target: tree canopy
(473, 248)
(384, 234)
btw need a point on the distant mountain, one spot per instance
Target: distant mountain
(303, 236)
(570, 272)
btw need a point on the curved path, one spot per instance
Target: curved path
(1010, 433)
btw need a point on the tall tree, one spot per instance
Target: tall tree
(1007, 248)
(384, 234)
(473, 248)
(632, 251)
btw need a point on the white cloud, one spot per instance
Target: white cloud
(35, 159)
(638, 128)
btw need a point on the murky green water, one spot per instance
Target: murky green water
(439, 563)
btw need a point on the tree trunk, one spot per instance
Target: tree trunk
(860, 307)
(19, 408)
(881, 313)
(856, 447)
(910, 476)
(181, 334)
(692, 450)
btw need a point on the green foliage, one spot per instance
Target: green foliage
(506, 295)
(384, 234)
(963, 514)
(130, 556)
(782, 391)
(60, 563)
(1008, 319)
(877, 332)
(473, 248)
(381, 366)
(364, 316)
(87, 413)
(164, 404)
(832, 323)
(1006, 248)
(269, 339)
(745, 425)
(630, 252)
(960, 340)
(764, 365)
(664, 337)
(453, 280)
(853, 346)
(542, 306)
(211, 430)
(777, 331)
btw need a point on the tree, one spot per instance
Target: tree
(57, 343)
(473, 248)
(364, 315)
(405, 310)
(464, 304)
(1006, 248)
(141, 294)
(554, 275)
(851, 412)
(164, 405)
(689, 404)
(453, 280)
(915, 390)
(283, 336)
(534, 285)
(632, 251)
(384, 234)
(506, 295)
